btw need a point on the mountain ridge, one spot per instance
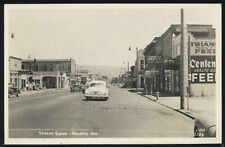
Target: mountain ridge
(106, 70)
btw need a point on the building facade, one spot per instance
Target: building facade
(18, 77)
(50, 73)
(64, 65)
(154, 69)
(15, 65)
(140, 68)
(162, 58)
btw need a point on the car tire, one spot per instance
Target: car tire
(17, 95)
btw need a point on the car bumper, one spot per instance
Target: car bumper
(95, 96)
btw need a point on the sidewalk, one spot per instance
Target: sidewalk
(203, 108)
(23, 93)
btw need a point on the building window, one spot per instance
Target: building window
(142, 65)
(36, 67)
(15, 81)
(51, 67)
(22, 66)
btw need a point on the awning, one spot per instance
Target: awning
(171, 65)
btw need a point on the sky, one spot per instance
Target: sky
(94, 34)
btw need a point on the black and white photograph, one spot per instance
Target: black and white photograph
(112, 73)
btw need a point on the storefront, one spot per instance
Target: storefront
(171, 77)
(14, 80)
(152, 81)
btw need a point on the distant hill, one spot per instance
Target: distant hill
(110, 71)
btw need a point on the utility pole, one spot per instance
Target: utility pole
(189, 74)
(136, 68)
(183, 63)
(128, 75)
(137, 64)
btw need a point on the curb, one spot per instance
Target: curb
(188, 115)
(40, 91)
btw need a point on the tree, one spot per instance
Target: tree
(115, 80)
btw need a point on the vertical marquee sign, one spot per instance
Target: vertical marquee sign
(203, 61)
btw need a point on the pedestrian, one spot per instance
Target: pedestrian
(27, 86)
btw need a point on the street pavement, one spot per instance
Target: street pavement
(64, 114)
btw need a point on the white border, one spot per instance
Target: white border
(8, 140)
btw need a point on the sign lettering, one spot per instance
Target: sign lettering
(203, 69)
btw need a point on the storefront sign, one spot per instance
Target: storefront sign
(203, 69)
(155, 58)
(203, 47)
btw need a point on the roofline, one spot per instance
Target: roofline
(47, 60)
(14, 57)
(153, 42)
(174, 26)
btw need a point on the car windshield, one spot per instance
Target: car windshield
(96, 84)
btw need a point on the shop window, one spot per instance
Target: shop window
(176, 81)
(15, 81)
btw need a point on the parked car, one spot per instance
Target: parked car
(75, 88)
(204, 128)
(97, 90)
(13, 91)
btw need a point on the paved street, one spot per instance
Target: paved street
(65, 114)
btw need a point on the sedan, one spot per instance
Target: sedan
(97, 90)
(13, 91)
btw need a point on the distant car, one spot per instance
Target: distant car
(13, 91)
(97, 90)
(75, 88)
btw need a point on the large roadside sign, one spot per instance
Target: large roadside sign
(202, 61)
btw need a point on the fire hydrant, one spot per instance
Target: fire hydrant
(157, 95)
